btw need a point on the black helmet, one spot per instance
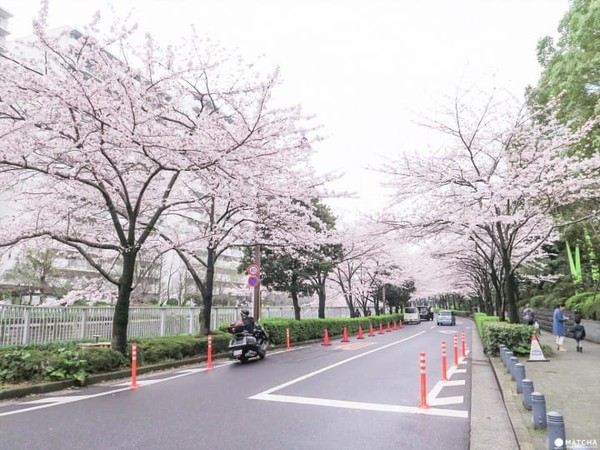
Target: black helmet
(245, 313)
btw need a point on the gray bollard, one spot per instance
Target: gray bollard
(503, 349)
(513, 361)
(527, 390)
(509, 355)
(538, 410)
(556, 431)
(519, 376)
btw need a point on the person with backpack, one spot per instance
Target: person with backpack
(578, 331)
(528, 316)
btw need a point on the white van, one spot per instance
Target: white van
(411, 315)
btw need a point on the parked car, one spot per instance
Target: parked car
(411, 315)
(426, 312)
(446, 317)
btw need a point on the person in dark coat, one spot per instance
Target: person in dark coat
(248, 320)
(558, 327)
(578, 331)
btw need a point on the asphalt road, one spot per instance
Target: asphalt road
(356, 395)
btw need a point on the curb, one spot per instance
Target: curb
(527, 437)
(53, 386)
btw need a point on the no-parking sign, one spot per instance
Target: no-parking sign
(253, 269)
(252, 280)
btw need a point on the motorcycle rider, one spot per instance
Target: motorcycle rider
(248, 320)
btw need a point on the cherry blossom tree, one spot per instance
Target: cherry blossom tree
(99, 147)
(498, 180)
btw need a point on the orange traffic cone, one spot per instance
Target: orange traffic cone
(400, 323)
(360, 332)
(326, 338)
(380, 328)
(371, 333)
(395, 325)
(345, 336)
(389, 329)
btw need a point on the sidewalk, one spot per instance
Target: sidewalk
(570, 382)
(490, 423)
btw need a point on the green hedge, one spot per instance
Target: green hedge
(311, 329)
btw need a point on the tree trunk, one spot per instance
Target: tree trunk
(121, 317)
(295, 302)
(322, 299)
(511, 296)
(207, 292)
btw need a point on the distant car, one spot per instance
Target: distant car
(446, 317)
(411, 315)
(425, 313)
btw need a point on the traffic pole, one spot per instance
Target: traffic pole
(456, 349)
(423, 402)
(134, 384)
(287, 340)
(209, 364)
(464, 345)
(444, 362)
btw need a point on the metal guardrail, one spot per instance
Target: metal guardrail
(22, 325)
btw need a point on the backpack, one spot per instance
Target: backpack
(578, 333)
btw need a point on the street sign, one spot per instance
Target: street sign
(253, 269)
(252, 280)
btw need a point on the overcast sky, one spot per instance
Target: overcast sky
(368, 69)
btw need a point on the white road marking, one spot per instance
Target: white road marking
(360, 405)
(269, 396)
(339, 363)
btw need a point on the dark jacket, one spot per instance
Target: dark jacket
(249, 324)
(578, 331)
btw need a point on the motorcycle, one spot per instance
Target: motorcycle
(244, 344)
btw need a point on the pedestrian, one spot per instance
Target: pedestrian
(528, 316)
(578, 331)
(558, 327)
(356, 312)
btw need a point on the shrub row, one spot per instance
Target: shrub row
(587, 303)
(60, 361)
(517, 337)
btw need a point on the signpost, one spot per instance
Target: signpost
(253, 272)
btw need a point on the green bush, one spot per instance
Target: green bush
(19, 365)
(576, 301)
(66, 364)
(101, 360)
(542, 301)
(25, 364)
(516, 337)
(591, 309)
(481, 319)
(173, 348)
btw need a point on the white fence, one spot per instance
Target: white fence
(22, 325)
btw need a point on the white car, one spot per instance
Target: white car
(411, 315)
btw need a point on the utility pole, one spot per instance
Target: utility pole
(257, 299)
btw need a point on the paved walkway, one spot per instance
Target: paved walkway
(570, 382)
(490, 422)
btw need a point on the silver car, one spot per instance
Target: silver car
(446, 317)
